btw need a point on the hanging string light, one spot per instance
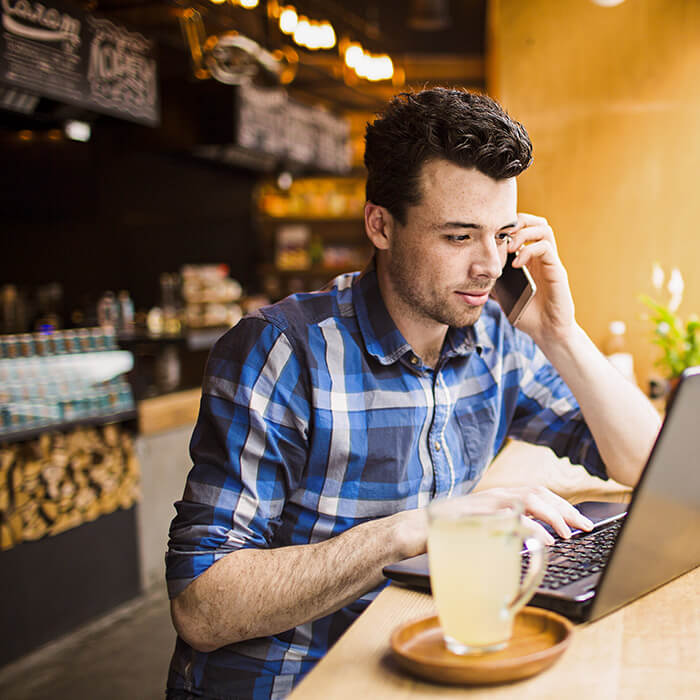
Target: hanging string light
(321, 35)
(309, 33)
(373, 67)
(246, 4)
(314, 35)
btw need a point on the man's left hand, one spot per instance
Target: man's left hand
(550, 315)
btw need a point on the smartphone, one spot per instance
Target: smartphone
(514, 290)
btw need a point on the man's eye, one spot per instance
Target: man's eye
(459, 238)
(503, 237)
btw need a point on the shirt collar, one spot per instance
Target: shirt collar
(383, 339)
(462, 341)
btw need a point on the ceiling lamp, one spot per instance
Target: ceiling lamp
(235, 59)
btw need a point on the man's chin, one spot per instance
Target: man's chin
(465, 317)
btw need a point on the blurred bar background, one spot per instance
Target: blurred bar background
(152, 191)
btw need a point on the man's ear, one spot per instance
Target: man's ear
(379, 225)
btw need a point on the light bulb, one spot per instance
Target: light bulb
(364, 66)
(385, 67)
(314, 39)
(327, 35)
(353, 55)
(248, 4)
(285, 180)
(77, 131)
(288, 20)
(302, 31)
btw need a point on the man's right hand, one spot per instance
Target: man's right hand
(538, 502)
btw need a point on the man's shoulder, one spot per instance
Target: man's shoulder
(294, 315)
(299, 311)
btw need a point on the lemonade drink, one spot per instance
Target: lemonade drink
(475, 575)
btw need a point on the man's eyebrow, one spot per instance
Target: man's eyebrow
(457, 224)
(463, 224)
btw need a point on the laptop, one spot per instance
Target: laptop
(633, 548)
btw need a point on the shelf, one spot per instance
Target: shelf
(315, 271)
(87, 421)
(266, 219)
(193, 338)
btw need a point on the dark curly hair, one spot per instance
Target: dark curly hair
(462, 127)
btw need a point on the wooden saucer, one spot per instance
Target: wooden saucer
(539, 638)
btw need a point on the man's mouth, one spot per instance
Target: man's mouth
(475, 297)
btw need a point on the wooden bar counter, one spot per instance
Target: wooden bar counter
(648, 649)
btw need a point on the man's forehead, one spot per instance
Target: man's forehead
(454, 192)
(436, 171)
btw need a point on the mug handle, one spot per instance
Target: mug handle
(533, 577)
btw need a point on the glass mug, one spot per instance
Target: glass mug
(475, 560)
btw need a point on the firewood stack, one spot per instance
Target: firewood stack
(61, 480)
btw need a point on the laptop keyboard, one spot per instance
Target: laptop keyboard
(574, 559)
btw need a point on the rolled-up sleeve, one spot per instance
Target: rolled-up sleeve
(249, 449)
(547, 413)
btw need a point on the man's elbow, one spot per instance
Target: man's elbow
(192, 625)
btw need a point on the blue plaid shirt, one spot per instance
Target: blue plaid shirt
(316, 416)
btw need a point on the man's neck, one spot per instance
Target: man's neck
(425, 336)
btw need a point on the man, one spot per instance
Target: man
(329, 420)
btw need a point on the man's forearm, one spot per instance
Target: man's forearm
(623, 421)
(252, 592)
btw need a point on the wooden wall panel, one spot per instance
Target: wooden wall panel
(611, 99)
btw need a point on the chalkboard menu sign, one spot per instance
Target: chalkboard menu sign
(267, 121)
(57, 51)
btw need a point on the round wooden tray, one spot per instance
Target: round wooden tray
(539, 638)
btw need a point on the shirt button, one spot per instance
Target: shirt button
(414, 360)
(437, 447)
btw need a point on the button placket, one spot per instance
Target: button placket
(443, 478)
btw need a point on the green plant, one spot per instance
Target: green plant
(679, 340)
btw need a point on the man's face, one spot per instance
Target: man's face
(444, 261)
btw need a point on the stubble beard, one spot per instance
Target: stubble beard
(440, 307)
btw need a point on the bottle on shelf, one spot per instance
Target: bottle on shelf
(108, 310)
(126, 312)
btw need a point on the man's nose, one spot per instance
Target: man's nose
(488, 261)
